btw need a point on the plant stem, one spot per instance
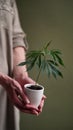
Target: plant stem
(38, 75)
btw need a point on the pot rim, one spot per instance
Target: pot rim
(28, 85)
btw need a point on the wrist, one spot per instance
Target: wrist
(4, 79)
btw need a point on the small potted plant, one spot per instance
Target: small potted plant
(48, 61)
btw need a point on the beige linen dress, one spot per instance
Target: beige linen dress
(11, 35)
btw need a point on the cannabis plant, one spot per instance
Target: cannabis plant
(46, 60)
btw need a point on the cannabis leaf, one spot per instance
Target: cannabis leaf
(47, 60)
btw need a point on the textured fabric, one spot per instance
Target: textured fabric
(11, 35)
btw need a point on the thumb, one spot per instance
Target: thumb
(25, 98)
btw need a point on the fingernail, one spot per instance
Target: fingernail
(36, 113)
(28, 101)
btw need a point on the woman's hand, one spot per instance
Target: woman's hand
(26, 80)
(16, 95)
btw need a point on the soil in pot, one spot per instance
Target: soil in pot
(35, 87)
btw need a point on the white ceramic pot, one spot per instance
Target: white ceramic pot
(34, 95)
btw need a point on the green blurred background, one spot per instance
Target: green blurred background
(42, 21)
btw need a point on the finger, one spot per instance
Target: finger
(25, 98)
(27, 107)
(44, 97)
(22, 108)
(16, 85)
(25, 110)
(30, 111)
(41, 105)
(31, 107)
(15, 99)
(22, 96)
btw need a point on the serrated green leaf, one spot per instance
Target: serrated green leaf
(47, 45)
(52, 54)
(24, 63)
(57, 52)
(43, 65)
(39, 61)
(30, 66)
(59, 60)
(32, 54)
(48, 71)
(56, 71)
(54, 74)
(53, 62)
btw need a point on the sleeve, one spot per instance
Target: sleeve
(19, 37)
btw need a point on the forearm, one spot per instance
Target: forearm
(19, 55)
